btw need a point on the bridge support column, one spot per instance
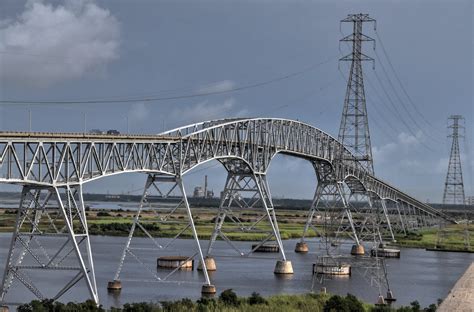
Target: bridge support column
(169, 198)
(302, 246)
(401, 218)
(331, 201)
(50, 237)
(247, 192)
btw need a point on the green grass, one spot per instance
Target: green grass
(228, 301)
(290, 224)
(453, 238)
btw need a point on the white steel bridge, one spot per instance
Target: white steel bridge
(52, 168)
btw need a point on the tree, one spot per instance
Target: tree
(228, 297)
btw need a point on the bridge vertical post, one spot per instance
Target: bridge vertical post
(377, 220)
(116, 284)
(413, 216)
(67, 207)
(302, 246)
(152, 182)
(348, 213)
(224, 203)
(400, 217)
(41, 207)
(241, 179)
(207, 285)
(406, 220)
(387, 217)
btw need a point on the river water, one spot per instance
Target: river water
(418, 275)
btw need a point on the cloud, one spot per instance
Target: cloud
(404, 144)
(221, 86)
(47, 44)
(139, 112)
(206, 111)
(408, 139)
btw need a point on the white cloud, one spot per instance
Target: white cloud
(221, 86)
(408, 139)
(206, 111)
(139, 112)
(47, 44)
(394, 150)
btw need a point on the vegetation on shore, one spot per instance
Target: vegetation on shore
(453, 238)
(228, 301)
(291, 223)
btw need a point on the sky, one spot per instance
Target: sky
(122, 49)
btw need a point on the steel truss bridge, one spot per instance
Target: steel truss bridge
(52, 168)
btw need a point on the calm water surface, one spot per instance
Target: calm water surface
(419, 275)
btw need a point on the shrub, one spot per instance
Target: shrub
(139, 307)
(336, 304)
(103, 214)
(255, 298)
(354, 304)
(50, 306)
(229, 297)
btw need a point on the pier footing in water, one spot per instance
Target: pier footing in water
(283, 267)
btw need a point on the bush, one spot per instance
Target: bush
(354, 304)
(336, 304)
(255, 298)
(138, 307)
(183, 305)
(103, 214)
(228, 297)
(50, 306)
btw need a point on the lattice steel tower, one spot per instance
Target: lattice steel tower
(354, 130)
(454, 185)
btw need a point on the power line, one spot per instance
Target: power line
(402, 86)
(401, 101)
(176, 97)
(399, 115)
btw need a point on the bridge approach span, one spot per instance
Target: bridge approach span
(60, 159)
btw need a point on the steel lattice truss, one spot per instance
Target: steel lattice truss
(56, 165)
(59, 160)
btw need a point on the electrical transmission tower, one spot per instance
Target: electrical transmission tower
(454, 186)
(354, 130)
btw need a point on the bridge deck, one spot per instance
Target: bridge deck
(461, 297)
(83, 136)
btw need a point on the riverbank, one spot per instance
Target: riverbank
(291, 224)
(118, 223)
(228, 301)
(453, 238)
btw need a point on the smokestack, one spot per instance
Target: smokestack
(205, 186)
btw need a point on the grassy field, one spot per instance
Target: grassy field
(118, 223)
(453, 238)
(291, 224)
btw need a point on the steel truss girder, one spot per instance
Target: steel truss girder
(68, 159)
(29, 249)
(157, 183)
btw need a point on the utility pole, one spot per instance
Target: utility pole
(354, 129)
(454, 185)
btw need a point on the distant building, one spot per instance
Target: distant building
(200, 192)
